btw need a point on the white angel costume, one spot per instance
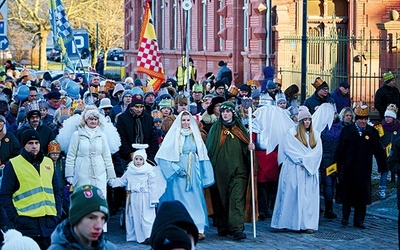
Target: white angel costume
(184, 161)
(144, 186)
(297, 200)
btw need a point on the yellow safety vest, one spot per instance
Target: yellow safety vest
(35, 196)
(181, 77)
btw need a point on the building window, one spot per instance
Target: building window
(175, 28)
(162, 33)
(246, 24)
(221, 26)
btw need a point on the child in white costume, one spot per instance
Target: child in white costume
(144, 184)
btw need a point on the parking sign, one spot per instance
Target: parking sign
(81, 42)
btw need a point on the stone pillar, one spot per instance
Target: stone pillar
(389, 50)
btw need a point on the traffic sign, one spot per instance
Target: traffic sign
(3, 42)
(3, 17)
(81, 42)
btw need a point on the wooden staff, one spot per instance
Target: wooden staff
(248, 103)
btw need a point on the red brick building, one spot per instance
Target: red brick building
(249, 38)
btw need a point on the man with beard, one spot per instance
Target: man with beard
(33, 115)
(136, 126)
(320, 96)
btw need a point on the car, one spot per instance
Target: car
(115, 55)
(55, 55)
(76, 63)
(48, 52)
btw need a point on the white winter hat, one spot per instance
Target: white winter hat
(141, 150)
(303, 113)
(14, 240)
(390, 113)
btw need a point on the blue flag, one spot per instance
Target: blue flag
(61, 29)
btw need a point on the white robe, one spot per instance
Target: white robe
(297, 200)
(145, 185)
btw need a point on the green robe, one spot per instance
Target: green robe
(231, 170)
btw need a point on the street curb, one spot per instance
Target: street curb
(383, 216)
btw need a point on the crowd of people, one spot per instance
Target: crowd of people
(75, 152)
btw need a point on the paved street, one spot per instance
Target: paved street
(381, 233)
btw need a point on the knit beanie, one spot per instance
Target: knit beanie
(171, 237)
(391, 111)
(141, 153)
(227, 105)
(85, 200)
(29, 134)
(136, 99)
(303, 113)
(14, 240)
(271, 84)
(137, 82)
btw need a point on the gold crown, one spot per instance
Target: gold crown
(95, 90)
(157, 114)
(318, 82)
(53, 147)
(392, 107)
(233, 90)
(362, 111)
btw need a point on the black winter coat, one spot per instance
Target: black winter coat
(384, 96)
(313, 101)
(126, 127)
(9, 147)
(354, 160)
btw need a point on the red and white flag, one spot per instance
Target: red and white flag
(149, 59)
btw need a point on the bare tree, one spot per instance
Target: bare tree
(108, 16)
(32, 17)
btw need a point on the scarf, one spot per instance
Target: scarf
(214, 140)
(139, 136)
(90, 131)
(186, 131)
(144, 169)
(391, 127)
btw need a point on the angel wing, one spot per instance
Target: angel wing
(323, 117)
(271, 123)
(65, 134)
(113, 138)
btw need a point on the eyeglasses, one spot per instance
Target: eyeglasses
(325, 89)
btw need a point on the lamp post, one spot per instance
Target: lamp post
(304, 53)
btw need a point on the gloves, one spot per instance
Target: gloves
(70, 179)
(182, 173)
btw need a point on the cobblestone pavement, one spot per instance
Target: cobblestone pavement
(381, 233)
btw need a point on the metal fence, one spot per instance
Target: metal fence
(337, 57)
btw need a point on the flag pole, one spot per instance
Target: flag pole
(253, 203)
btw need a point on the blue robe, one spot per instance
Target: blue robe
(188, 189)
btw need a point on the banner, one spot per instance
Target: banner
(149, 59)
